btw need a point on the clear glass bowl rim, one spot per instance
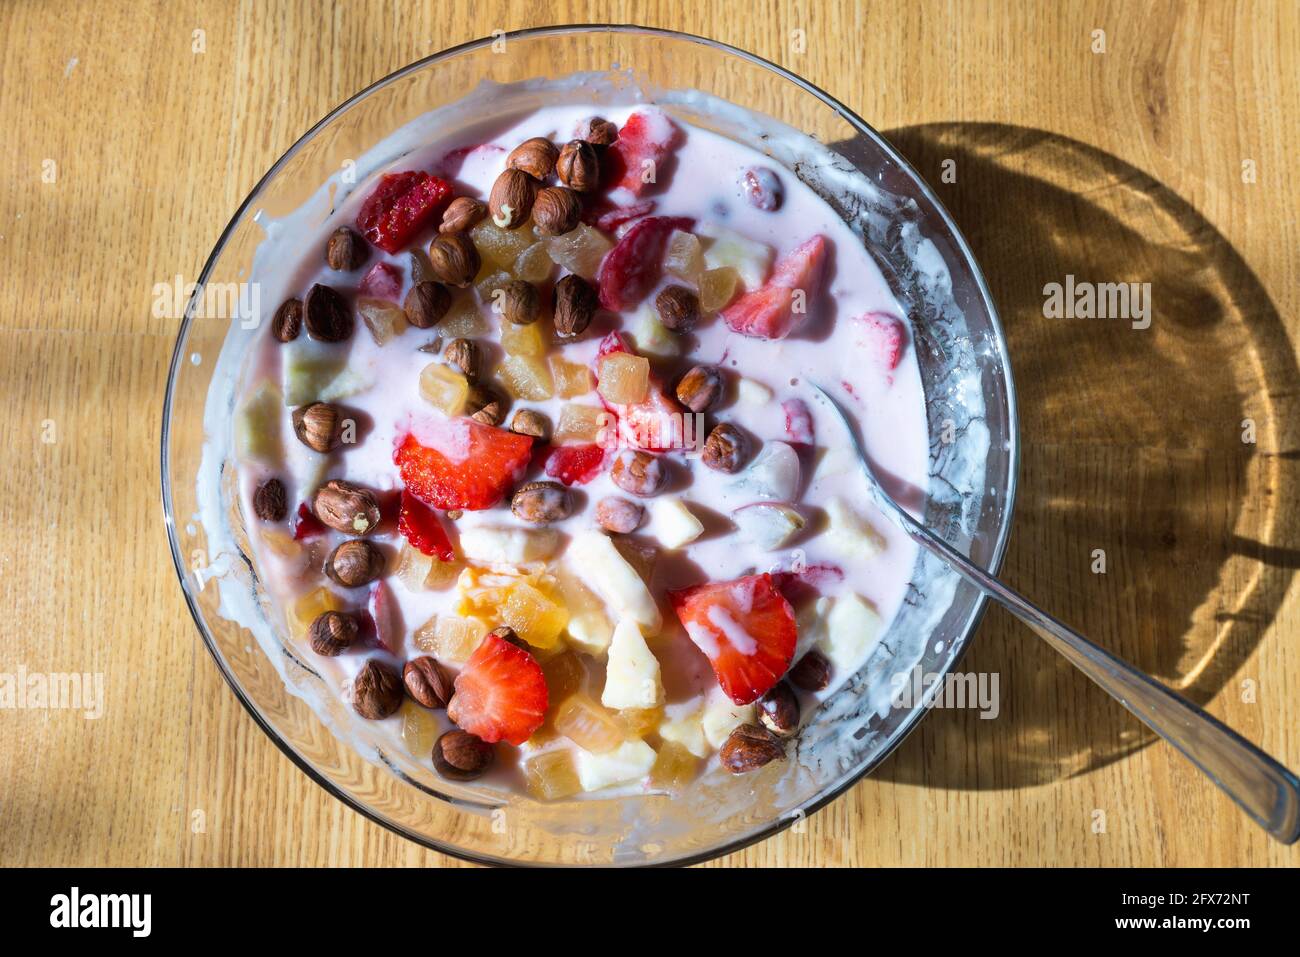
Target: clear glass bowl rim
(863, 128)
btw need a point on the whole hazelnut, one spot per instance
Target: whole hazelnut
(326, 314)
(354, 563)
(530, 422)
(749, 747)
(812, 672)
(701, 388)
(556, 210)
(725, 448)
(287, 322)
(426, 682)
(778, 710)
(511, 199)
(464, 355)
(536, 157)
(578, 166)
(345, 507)
(618, 515)
(576, 303)
(484, 405)
(541, 503)
(318, 426)
(376, 691)
(638, 473)
(520, 303)
(332, 633)
(679, 308)
(598, 131)
(269, 501)
(426, 304)
(454, 259)
(463, 214)
(460, 756)
(345, 250)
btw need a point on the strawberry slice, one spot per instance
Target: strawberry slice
(500, 693)
(608, 217)
(745, 628)
(460, 463)
(655, 425)
(422, 529)
(800, 584)
(635, 160)
(575, 464)
(307, 526)
(401, 205)
(632, 267)
(383, 281)
(777, 309)
(884, 338)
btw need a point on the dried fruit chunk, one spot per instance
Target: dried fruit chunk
(572, 379)
(524, 340)
(444, 388)
(526, 377)
(674, 767)
(383, 319)
(450, 638)
(588, 725)
(581, 423)
(623, 378)
(684, 256)
(718, 288)
(551, 775)
(633, 266)
(460, 464)
(419, 729)
(500, 694)
(580, 250)
(259, 425)
(311, 606)
(500, 247)
(400, 206)
(533, 264)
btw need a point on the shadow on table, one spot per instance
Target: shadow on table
(1132, 442)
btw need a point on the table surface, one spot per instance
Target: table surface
(1169, 158)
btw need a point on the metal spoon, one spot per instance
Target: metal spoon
(1264, 789)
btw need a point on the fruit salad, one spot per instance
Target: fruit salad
(532, 466)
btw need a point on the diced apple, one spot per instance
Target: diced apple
(722, 716)
(259, 427)
(508, 545)
(688, 731)
(774, 474)
(308, 368)
(725, 247)
(769, 525)
(630, 761)
(608, 574)
(632, 671)
(674, 524)
(653, 338)
(851, 534)
(852, 630)
(579, 250)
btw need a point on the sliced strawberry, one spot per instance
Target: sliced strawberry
(782, 304)
(382, 281)
(400, 206)
(307, 526)
(500, 693)
(884, 338)
(745, 628)
(635, 160)
(798, 422)
(630, 270)
(608, 216)
(423, 529)
(460, 463)
(802, 583)
(575, 464)
(386, 616)
(655, 425)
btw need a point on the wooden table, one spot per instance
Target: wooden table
(1169, 158)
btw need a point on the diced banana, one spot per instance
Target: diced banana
(687, 731)
(505, 545)
(653, 338)
(852, 630)
(753, 393)
(850, 533)
(673, 524)
(632, 671)
(722, 716)
(258, 432)
(309, 369)
(604, 569)
(630, 761)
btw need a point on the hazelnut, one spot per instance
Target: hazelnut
(576, 303)
(701, 388)
(345, 250)
(778, 710)
(460, 756)
(484, 405)
(332, 633)
(287, 322)
(426, 682)
(454, 259)
(618, 515)
(318, 426)
(598, 131)
(269, 502)
(345, 507)
(511, 199)
(536, 157)
(354, 563)
(464, 355)
(556, 210)
(530, 422)
(541, 503)
(506, 633)
(426, 304)
(520, 303)
(638, 473)
(376, 691)
(679, 308)
(463, 213)
(749, 747)
(326, 314)
(812, 672)
(724, 449)
(578, 166)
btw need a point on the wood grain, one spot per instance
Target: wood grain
(1125, 165)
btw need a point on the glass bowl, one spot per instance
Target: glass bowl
(973, 451)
